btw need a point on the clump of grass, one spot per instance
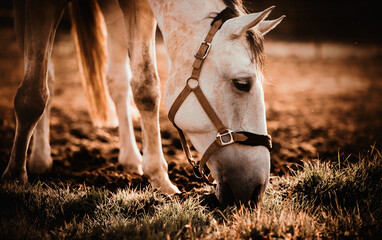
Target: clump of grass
(323, 184)
(277, 218)
(320, 200)
(35, 210)
(348, 196)
(147, 215)
(38, 212)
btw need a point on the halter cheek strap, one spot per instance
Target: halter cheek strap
(225, 136)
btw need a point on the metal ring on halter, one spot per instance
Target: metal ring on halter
(190, 85)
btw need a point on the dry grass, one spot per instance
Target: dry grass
(317, 201)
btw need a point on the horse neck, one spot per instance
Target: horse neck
(184, 25)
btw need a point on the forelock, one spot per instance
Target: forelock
(255, 39)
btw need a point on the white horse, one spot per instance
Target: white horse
(230, 81)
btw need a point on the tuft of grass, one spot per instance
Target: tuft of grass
(40, 212)
(319, 200)
(36, 210)
(147, 215)
(278, 217)
(347, 195)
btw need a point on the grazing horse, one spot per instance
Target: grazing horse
(215, 56)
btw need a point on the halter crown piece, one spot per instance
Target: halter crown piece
(225, 136)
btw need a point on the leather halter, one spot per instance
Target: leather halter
(225, 136)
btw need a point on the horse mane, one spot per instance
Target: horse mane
(254, 38)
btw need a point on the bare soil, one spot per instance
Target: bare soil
(321, 99)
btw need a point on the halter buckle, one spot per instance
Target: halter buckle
(206, 52)
(221, 136)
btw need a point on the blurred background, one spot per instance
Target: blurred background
(323, 93)
(346, 20)
(341, 20)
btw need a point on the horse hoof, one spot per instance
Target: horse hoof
(39, 167)
(130, 161)
(40, 161)
(163, 184)
(169, 189)
(9, 176)
(133, 168)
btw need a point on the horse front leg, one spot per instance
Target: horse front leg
(141, 26)
(118, 78)
(41, 160)
(41, 20)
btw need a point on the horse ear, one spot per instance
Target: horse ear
(240, 25)
(265, 26)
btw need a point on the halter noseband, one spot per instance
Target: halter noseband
(225, 136)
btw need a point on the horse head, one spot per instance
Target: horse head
(231, 81)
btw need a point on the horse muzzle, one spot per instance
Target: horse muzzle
(241, 173)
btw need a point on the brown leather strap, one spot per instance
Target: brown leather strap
(178, 102)
(200, 56)
(237, 137)
(251, 139)
(209, 110)
(197, 66)
(203, 50)
(215, 145)
(185, 146)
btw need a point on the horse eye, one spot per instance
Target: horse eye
(242, 84)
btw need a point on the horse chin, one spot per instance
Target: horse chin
(241, 174)
(226, 196)
(224, 193)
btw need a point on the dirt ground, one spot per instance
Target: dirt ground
(321, 98)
